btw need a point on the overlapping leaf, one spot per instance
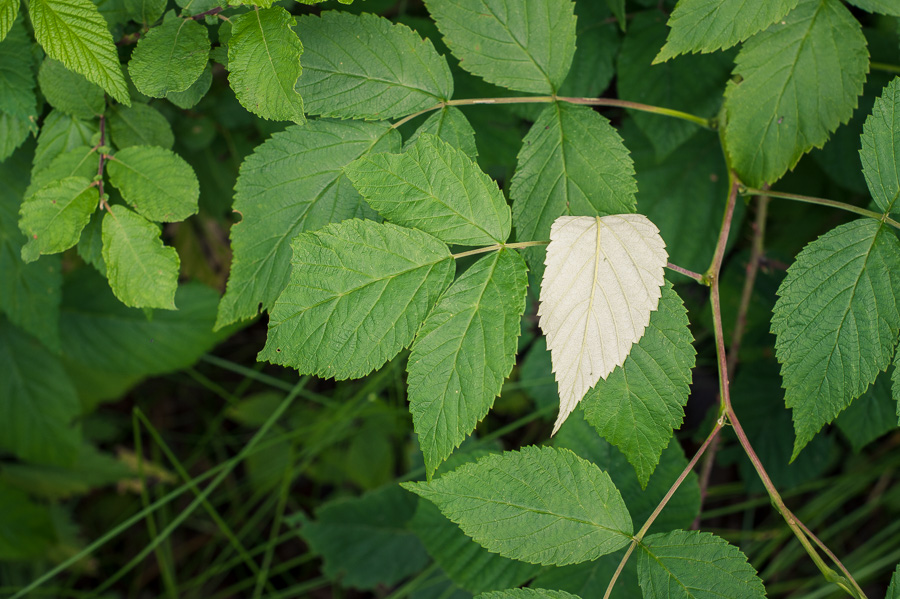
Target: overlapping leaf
(70, 92)
(836, 321)
(539, 504)
(464, 351)
(364, 66)
(870, 416)
(142, 272)
(17, 97)
(572, 162)
(292, 183)
(9, 9)
(434, 187)
(602, 280)
(881, 148)
(170, 58)
(527, 594)
(13, 132)
(264, 64)
(139, 125)
(53, 217)
(74, 33)
(59, 134)
(451, 125)
(642, 402)
(158, 183)
(526, 47)
(79, 162)
(358, 292)
(800, 81)
(885, 7)
(189, 97)
(145, 11)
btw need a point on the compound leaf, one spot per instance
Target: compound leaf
(464, 351)
(53, 217)
(687, 564)
(358, 292)
(800, 81)
(572, 162)
(881, 147)
(142, 272)
(75, 33)
(264, 64)
(434, 187)
(602, 280)
(836, 321)
(525, 47)
(70, 92)
(710, 25)
(170, 58)
(639, 405)
(296, 174)
(451, 125)
(157, 182)
(364, 66)
(540, 505)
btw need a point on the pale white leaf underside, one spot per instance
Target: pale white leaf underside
(603, 278)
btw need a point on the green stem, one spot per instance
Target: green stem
(499, 246)
(883, 66)
(823, 202)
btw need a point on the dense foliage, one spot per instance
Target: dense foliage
(291, 295)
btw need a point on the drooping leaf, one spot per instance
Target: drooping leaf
(70, 92)
(13, 132)
(142, 272)
(800, 81)
(694, 564)
(434, 187)
(189, 97)
(836, 321)
(139, 125)
(264, 64)
(37, 401)
(17, 97)
(693, 84)
(464, 351)
(710, 25)
(52, 218)
(450, 125)
(642, 402)
(59, 134)
(26, 529)
(364, 66)
(527, 47)
(296, 174)
(157, 182)
(9, 9)
(884, 7)
(870, 416)
(881, 146)
(358, 292)
(539, 504)
(602, 280)
(572, 163)
(74, 33)
(527, 594)
(365, 540)
(467, 563)
(170, 58)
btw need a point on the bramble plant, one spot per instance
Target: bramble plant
(371, 234)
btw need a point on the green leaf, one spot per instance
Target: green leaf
(618, 9)
(710, 25)
(527, 594)
(464, 351)
(52, 218)
(70, 92)
(81, 162)
(157, 182)
(365, 540)
(639, 405)
(264, 64)
(189, 97)
(836, 321)
(881, 146)
(170, 58)
(142, 272)
(800, 81)
(29, 293)
(893, 591)
(59, 134)
(450, 125)
(358, 292)
(434, 187)
(885, 7)
(693, 84)
(525, 47)
(540, 505)
(146, 12)
(26, 529)
(364, 66)
(869, 416)
(693, 564)
(90, 470)
(9, 9)
(139, 125)
(572, 162)
(195, 7)
(467, 563)
(17, 97)
(37, 402)
(590, 579)
(895, 384)
(13, 132)
(74, 33)
(298, 175)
